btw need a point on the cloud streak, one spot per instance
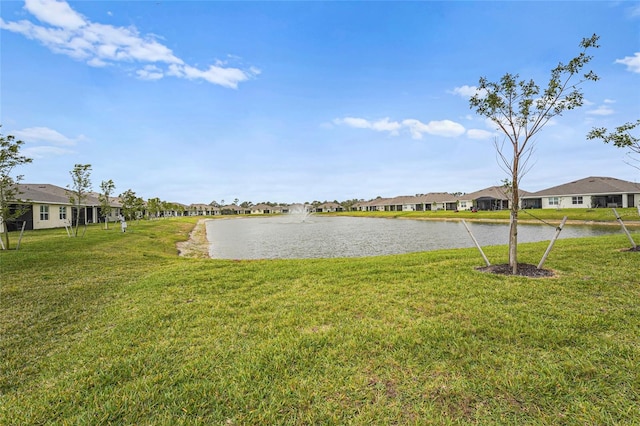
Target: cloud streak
(64, 31)
(46, 135)
(415, 128)
(45, 142)
(632, 62)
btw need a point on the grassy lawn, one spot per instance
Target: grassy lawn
(115, 328)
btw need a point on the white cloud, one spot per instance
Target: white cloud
(66, 32)
(383, 125)
(632, 62)
(601, 110)
(150, 72)
(446, 128)
(226, 77)
(415, 127)
(466, 91)
(57, 13)
(480, 134)
(44, 134)
(359, 123)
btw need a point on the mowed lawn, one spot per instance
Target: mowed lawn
(115, 328)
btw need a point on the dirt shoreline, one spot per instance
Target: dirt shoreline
(197, 246)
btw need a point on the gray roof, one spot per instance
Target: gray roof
(261, 206)
(431, 197)
(492, 192)
(44, 193)
(593, 185)
(52, 194)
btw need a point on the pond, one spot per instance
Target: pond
(326, 237)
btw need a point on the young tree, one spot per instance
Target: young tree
(132, 205)
(154, 205)
(621, 137)
(10, 208)
(78, 190)
(107, 188)
(520, 110)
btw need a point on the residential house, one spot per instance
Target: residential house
(590, 192)
(233, 209)
(49, 206)
(328, 207)
(439, 201)
(409, 203)
(374, 205)
(491, 198)
(173, 209)
(261, 209)
(202, 210)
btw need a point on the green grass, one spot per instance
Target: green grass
(115, 328)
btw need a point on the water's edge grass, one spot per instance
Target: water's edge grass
(117, 328)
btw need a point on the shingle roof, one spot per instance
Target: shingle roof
(47, 193)
(496, 192)
(260, 206)
(432, 197)
(51, 194)
(591, 186)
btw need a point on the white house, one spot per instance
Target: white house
(590, 192)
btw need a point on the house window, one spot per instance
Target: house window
(63, 213)
(463, 204)
(576, 200)
(44, 212)
(553, 201)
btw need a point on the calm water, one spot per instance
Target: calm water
(289, 237)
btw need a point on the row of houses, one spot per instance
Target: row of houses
(48, 206)
(591, 192)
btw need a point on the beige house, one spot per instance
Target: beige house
(409, 203)
(202, 210)
(48, 206)
(261, 209)
(328, 207)
(234, 209)
(590, 192)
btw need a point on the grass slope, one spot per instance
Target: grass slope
(116, 328)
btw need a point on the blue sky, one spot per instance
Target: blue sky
(194, 101)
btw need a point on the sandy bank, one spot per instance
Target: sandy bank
(197, 245)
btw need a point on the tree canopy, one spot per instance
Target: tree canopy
(78, 190)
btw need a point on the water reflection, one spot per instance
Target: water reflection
(323, 237)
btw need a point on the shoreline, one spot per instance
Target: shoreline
(197, 245)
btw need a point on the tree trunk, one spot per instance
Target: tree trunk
(6, 236)
(75, 231)
(513, 229)
(513, 242)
